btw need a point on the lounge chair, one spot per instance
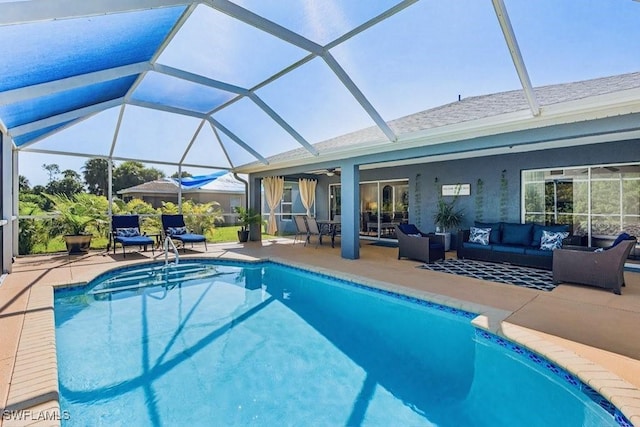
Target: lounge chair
(603, 269)
(173, 226)
(125, 229)
(416, 245)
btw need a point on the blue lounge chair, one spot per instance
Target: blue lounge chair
(174, 227)
(125, 229)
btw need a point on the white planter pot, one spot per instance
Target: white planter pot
(447, 240)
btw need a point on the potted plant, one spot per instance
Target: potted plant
(246, 218)
(446, 218)
(75, 215)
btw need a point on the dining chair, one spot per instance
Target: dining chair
(312, 230)
(301, 228)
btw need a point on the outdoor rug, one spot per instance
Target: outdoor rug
(502, 273)
(385, 244)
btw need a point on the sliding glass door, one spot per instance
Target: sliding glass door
(383, 204)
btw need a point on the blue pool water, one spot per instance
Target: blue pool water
(266, 344)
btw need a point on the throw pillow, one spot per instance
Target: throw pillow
(479, 235)
(176, 231)
(494, 236)
(414, 235)
(128, 232)
(552, 239)
(621, 238)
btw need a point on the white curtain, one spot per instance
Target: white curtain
(307, 193)
(273, 188)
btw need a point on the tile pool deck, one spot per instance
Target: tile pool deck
(590, 332)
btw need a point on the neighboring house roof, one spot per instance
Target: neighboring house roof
(225, 184)
(468, 110)
(157, 186)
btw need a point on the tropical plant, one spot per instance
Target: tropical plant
(31, 230)
(201, 217)
(447, 216)
(247, 217)
(76, 214)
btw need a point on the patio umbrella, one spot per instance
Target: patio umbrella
(273, 188)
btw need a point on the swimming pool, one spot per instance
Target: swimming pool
(268, 344)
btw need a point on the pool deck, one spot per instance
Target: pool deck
(590, 332)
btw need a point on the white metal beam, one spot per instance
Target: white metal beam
(8, 179)
(237, 140)
(53, 132)
(21, 12)
(64, 117)
(116, 131)
(167, 108)
(359, 96)
(257, 21)
(196, 78)
(516, 55)
(187, 13)
(122, 159)
(279, 120)
(193, 139)
(43, 89)
(370, 23)
(224, 149)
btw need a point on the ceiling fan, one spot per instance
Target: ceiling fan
(328, 172)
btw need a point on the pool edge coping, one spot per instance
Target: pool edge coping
(34, 351)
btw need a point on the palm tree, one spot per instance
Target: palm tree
(96, 176)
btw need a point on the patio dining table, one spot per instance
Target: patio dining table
(328, 228)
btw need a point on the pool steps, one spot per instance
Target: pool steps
(156, 276)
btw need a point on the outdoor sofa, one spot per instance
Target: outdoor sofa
(512, 243)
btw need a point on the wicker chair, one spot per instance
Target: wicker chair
(414, 244)
(603, 269)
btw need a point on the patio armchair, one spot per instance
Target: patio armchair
(125, 230)
(416, 245)
(602, 268)
(173, 226)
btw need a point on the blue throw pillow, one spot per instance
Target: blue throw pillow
(494, 236)
(176, 231)
(479, 235)
(552, 239)
(537, 232)
(516, 234)
(409, 229)
(621, 238)
(128, 232)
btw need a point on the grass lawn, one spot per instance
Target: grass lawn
(217, 235)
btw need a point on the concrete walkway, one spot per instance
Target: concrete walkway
(591, 332)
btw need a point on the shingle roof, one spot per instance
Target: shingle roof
(473, 108)
(225, 184)
(157, 186)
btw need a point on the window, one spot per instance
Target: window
(596, 201)
(286, 204)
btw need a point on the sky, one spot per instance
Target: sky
(423, 57)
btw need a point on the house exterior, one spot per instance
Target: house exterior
(577, 162)
(225, 190)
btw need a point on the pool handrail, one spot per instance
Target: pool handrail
(167, 242)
